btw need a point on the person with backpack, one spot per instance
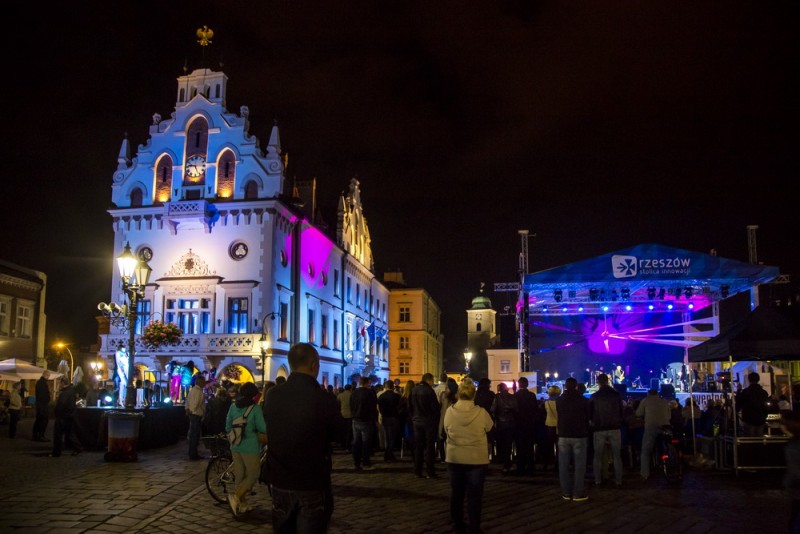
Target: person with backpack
(247, 433)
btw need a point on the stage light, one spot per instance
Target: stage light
(594, 294)
(544, 309)
(602, 294)
(651, 293)
(614, 295)
(650, 307)
(691, 306)
(572, 293)
(662, 293)
(625, 293)
(564, 309)
(687, 292)
(669, 306)
(628, 307)
(724, 290)
(557, 295)
(580, 308)
(605, 308)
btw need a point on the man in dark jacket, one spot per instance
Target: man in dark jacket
(751, 402)
(364, 407)
(425, 418)
(302, 421)
(65, 414)
(573, 435)
(42, 407)
(504, 413)
(527, 419)
(606, 419)
(389, 406)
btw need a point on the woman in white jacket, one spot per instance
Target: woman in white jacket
(467, 456)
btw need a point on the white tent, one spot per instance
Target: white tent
(15, 370)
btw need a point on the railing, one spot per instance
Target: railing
(209, 344)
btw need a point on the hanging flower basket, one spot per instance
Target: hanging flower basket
(157, 334)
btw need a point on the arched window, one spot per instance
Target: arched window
(136, 198)
(163, 179)
(226, 174)
(251, 190)
(478, 327)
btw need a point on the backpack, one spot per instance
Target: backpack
(238, 427)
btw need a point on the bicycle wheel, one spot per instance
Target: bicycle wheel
(219, 478)
(671, 461)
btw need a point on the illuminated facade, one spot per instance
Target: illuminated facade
(233, 255)
(22, 317)
(416, 342)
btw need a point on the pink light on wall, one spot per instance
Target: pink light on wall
(315, 256)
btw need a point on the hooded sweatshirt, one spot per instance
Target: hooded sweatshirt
(466, 425)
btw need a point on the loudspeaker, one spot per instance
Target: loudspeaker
(667, 391)
(622, 388)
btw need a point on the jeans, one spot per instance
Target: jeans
(648, 442)
(363, 434)
(572, 450)
(424, 446)
(466, 480)
(614, 440)
(301, 512)
(391, 426)
(195, 422)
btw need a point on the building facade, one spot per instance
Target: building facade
(233, 256)
(22, 317)
(416, 342)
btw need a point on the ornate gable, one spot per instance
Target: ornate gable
(352, 233)
(190, 264)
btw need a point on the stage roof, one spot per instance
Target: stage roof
(639, 277)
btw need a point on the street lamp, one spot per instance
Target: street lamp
(97, 370)
(62, 346)
(264, 345)
(134, 274)
(467, 358)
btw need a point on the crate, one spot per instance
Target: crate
(217, 444)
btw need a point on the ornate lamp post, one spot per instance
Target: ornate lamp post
(264, 345)
(467, 359)
(63, 346)
(134, 274)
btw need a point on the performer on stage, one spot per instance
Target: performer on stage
(619, 375)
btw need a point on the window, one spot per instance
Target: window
(284, 333)
(193, 316)
(4, 317)
(23, 320)
(505, 366)
(143, 308)
(311, 326)
(477, 327)
(405, 368)
(251, 190)
(336, 282)
(336, 333)
(347, 294)
(323, 318)
(403, 342)
(237, 315)
(358, 295)
(136, 198)
(405, 314)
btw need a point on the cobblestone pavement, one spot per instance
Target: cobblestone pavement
(165, 492)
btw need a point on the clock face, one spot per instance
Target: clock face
(196, 166)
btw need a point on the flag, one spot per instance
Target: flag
(371, 332)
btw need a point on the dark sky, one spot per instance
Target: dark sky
(595, 125)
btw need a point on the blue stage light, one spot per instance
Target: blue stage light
(669, 306)
(691, 306)
(580, 308)
(564, 309)
(650, 307)
(605, 308)
(628, 307)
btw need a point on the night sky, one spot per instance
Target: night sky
(595, 125)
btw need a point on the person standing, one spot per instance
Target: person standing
(656, 414)
(606, 421)
(364, 407)
(751, 403)
(65, 414)
(425, 417)
(389, 406)
(551, 428)
(447, 398)
(247, 453)
(195, 409)
(302, 422)
(347, 417)
(504, 413)
(42, 391)
(573, 438)
(14, 410)
(217, 412)
(484, 397)
(466, 426)
(527, 422)
(619, 375)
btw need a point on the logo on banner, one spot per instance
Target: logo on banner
(624, 266)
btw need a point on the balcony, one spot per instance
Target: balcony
(204, 344)
(190, 214)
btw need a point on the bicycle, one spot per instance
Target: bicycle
(669, 455)
(220, 480)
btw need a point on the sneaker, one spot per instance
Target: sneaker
(369, 467)
(233, 501)
(581, 498)
(566, 497)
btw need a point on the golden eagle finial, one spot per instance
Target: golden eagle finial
(204, 36)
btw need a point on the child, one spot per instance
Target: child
(790, 423)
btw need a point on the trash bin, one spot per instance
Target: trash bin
(123, 436)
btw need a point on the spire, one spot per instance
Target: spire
(274, 145)
(124, 157)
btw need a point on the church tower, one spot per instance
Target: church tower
(481, 319)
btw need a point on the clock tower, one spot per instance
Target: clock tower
(481, 319)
